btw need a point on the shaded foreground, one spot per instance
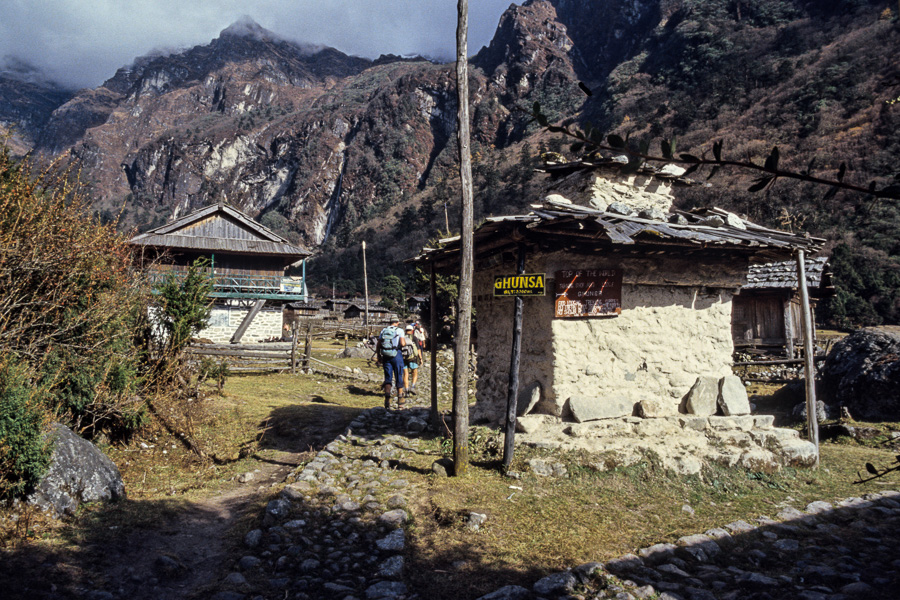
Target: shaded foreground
(366, 518)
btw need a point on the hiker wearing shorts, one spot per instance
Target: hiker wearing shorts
(412, 356)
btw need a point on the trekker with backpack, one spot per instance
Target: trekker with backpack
(389, 353)
(412, 357)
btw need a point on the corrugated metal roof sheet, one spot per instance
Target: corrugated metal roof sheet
(560, 222)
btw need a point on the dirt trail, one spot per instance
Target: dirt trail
(183, 555)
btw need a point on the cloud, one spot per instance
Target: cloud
(81, 43)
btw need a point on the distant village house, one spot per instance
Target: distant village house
(246, 261)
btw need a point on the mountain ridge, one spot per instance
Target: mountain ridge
(330, 149)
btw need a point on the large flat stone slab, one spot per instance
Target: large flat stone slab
(592, 408)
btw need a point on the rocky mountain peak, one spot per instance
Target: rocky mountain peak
(246, 27)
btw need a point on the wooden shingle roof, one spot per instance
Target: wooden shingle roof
(783, 274)
(220, 228)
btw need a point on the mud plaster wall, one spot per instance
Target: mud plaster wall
(666, 336)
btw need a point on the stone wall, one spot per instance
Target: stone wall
(675, 325)
(600, 189)
(225, 319)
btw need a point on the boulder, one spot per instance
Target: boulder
(702, 398)
(620, 208)
(862, 373)
(363, 352)
(508, 592)
(732, 399)
(79, 472)
(592, 408)
(547, 468)
(529, 423)
(822, 412)
(528, 398)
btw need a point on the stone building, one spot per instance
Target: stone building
(636, 311)
(247, 263)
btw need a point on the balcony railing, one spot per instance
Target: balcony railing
(269, 287)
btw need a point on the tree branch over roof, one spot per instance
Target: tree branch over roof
(589, 140)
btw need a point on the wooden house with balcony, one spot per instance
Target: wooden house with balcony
(246, 260)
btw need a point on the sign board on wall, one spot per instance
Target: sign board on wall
(588, 293)
(527, 284)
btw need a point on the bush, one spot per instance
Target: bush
(70, 303)
(23, 454)
(185, 305)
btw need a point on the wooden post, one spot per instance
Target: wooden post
(295, 331)
(466, 260)
(366, 288)
(789, 327)
(307, 350)
(812, 422)
(245, 324)
(512, 392)
(435, 415)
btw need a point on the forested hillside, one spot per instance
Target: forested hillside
(818, 80)
(330, 150)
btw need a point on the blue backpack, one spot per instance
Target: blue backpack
(390, 338)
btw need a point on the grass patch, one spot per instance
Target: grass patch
(554, 524)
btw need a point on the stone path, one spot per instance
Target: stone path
(337, 532)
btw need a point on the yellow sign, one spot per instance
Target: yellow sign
(527, 284)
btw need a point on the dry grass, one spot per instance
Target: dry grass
(553, 524)
(547, 525)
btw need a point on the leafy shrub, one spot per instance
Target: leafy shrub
(23, 454)
(185, 305)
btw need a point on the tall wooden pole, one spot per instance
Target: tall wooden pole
(366, 287)
(812, 421)
(435, 415)
(512, 392)
(464, 303)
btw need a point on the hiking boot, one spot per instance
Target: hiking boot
(387, 403)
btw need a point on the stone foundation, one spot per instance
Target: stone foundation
(681, 443)
(225, 319)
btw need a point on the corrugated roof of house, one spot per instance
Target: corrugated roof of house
(556, 223)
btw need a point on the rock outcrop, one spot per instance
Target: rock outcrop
(79, 472)
(862, 373)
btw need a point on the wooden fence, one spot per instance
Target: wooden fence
(244, 357)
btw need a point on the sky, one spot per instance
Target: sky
(81, 43)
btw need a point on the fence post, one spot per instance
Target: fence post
(307, 351)
(295, 331)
